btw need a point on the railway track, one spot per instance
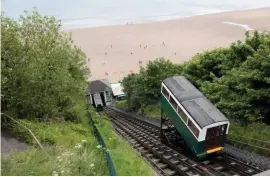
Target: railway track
(167, 160)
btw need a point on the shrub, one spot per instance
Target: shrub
(42, 71)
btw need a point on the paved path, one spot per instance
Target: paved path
(10, 144)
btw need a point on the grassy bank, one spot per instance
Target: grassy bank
(152, 111)
(121, 104)
(126, 160)
(71, 150)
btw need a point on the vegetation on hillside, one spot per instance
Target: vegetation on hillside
(236, 79)
(43, 87)
(43, 73)
(43, 90)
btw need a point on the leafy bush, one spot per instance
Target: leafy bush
(43, 73)
(244, 91)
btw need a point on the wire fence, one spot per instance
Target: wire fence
(97, 134)
(249, 157)
(250, 144)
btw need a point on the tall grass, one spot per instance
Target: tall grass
(72, 150)
(151, 111)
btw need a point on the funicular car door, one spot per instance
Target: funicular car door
(215, 137)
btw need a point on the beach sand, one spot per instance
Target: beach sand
(118, 49)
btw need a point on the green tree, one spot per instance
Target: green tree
(244, 91)
(43, 72)
(236, 78)
(154, 73)
(144, 88)
(131, 88)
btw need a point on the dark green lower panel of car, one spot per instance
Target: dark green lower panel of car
(198, 148)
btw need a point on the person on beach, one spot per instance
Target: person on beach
(111, 46)
(163, 43)
(105, 53)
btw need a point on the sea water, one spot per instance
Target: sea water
(91, 13)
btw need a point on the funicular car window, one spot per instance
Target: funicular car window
(222, 130)
(173, 102)
(216, 131)
(182, 114)
(193, 128)
(211, 132)
(165, 92)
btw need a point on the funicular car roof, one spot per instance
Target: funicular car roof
(195, 103)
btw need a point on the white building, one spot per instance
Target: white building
(117, 89)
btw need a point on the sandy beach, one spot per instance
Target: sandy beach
(117, 50)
